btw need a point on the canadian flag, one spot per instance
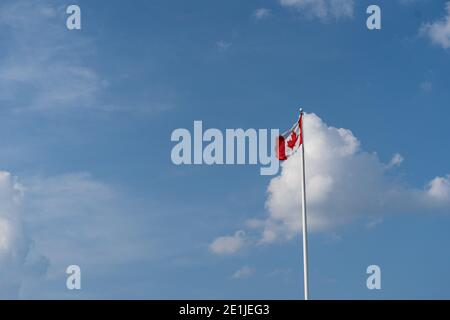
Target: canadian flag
(289, 142)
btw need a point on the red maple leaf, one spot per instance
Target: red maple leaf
(291, 143)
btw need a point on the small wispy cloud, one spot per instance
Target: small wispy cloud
(322, 9)
(396, 160)
(223, 45)
(439, 31)
(261, 13)
(243, 272)
(228, 244)
(426, 86)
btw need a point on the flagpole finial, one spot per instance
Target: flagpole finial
(301, 110)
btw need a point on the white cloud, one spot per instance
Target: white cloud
(18, 259)
(228, 244)
(243, 272)
(439, 188)
(261, 13)
(396, 161)
(223, 45)
(345, 184)
(426, 86)
(439, 31)
(322, 8)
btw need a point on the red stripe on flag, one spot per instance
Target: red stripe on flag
(281, 149)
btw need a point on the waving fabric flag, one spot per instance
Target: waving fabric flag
(289, 142)
(287, 145)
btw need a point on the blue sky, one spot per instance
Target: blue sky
(87, 177)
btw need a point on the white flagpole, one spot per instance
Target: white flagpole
(304, 224)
